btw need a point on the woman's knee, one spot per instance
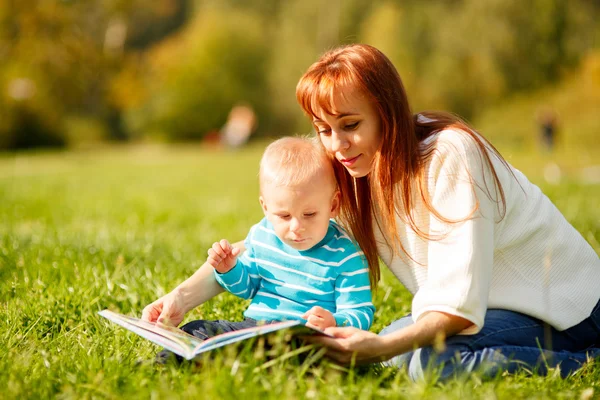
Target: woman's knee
(397, 325)
(421, 363)
(428, 362)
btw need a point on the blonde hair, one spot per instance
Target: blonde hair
(295, 160)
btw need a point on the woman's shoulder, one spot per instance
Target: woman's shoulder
(454, 152)
(449, 141)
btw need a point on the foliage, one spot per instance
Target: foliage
(40, 56)
(465, 56)
(575, 100)
(174, 68)
(58, 60)
(196, 77)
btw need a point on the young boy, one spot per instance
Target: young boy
(298, 263)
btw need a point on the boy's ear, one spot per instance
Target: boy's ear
(335, 204)
(263, 204)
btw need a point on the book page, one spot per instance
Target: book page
(188, 346)
(171, 338)
(244, 334)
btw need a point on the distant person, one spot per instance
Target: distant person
(547, 120)
(240, 124)
(492, 264)
(212, 138)
(298, 264)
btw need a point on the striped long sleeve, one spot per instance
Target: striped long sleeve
(243, 279)
(353, 296)
(285, 283)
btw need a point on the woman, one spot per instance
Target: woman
(492, 264)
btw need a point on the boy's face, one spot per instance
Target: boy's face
(300, 213)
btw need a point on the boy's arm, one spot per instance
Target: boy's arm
(354, 305)
(242, 280)
(197, 289)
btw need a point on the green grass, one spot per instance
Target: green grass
(117, 228)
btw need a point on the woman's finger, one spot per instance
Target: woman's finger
(332, 343)
(339, 357)
(340, 332)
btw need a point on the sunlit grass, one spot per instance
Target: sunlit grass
(117, 228)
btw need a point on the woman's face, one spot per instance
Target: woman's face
(353, 135)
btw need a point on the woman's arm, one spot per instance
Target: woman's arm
(197, 289)
(352, 345)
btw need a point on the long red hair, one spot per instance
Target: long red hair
(399, 160)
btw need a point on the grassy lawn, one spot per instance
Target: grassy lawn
(116, 228)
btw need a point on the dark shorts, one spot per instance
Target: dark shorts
(205, 329)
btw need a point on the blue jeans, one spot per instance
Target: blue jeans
(509, 341)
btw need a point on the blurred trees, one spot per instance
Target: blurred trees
(80, 70)
(193, 78)
(466, 55)
(58, 60)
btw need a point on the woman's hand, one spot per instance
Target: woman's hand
(353, 346)
(168, 310)
(222, 256)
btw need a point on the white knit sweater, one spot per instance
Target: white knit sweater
(531, 261)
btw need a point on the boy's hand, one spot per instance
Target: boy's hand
(168, 310)
(222, 256)
(319, 318)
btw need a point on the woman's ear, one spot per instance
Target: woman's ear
(263, 205)
(335, 204)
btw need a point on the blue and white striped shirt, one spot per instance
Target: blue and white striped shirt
(284, 283)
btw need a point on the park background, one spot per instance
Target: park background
(111, 192)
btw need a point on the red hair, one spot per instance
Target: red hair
(399, 160)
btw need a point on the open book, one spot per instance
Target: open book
(188, 346)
